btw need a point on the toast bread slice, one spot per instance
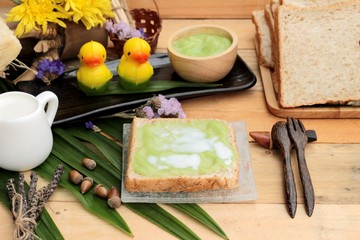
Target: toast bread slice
(263, 39)
(319, 54)
(137, 182)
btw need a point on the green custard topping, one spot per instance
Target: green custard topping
(202, 45)
(170, 148)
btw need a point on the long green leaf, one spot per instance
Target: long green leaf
(90, 201)
(199, 214)
(157, 215)
(107, 147)
(113, 125)
(72, 151)
(110, 126)
(46, 228)
(154, 86)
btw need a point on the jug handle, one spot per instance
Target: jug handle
(49, 100)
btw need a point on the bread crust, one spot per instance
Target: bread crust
(263, 38)
(136, 183)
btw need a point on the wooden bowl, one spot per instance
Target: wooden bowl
(203, 69)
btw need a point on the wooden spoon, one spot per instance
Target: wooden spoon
(281, 140)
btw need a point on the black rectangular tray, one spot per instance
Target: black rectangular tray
(74, 105)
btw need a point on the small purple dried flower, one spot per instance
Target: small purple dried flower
(108, 26)
(50, 69)
(123, 30)
(149, 113)
(159, 106)
(89, 125)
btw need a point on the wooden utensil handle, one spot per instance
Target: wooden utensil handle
(291, 196)
(306, 182)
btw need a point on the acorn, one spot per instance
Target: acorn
(101, 191)
(75, 177)
(89, 163)
(86, 184)
(114, 200)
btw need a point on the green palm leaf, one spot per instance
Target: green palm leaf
(90, 201)
(113, 125)
(107, 147)
(71, 151)
(196, 212)
(154, 86)
(157, 215)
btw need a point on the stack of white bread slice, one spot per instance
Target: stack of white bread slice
(314, 49)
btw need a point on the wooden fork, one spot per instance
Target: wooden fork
(298, 136)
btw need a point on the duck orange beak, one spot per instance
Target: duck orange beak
(92, 61)
(141, 57)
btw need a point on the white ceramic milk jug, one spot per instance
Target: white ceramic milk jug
(25, 129)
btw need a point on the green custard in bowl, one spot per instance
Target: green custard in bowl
(202, 45)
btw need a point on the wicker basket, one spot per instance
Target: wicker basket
(148, 21)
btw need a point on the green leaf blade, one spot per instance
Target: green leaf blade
(157, 215)
(196, 212)
(108, 148)
(90, 201)
(154, 86)
(72, 151)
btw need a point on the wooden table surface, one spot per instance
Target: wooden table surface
(333, 161)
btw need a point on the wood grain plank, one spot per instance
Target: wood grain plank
(334, 169)
(201, 8)
(253, 222)
(176, 9)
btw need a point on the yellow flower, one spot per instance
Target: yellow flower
(90, 12)
(31, 14)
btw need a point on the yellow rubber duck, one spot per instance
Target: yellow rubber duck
(134, 69)
(93, 75)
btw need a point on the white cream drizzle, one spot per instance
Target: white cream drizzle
(186, 144)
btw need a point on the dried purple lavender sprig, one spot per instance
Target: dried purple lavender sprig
(33, 182)
(51, 187)
(10, 189)
(21, 191)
